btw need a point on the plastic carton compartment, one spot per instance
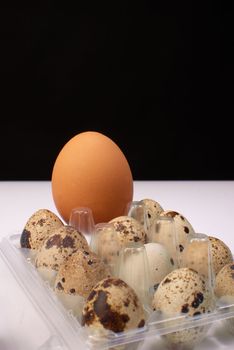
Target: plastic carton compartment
(65, 332)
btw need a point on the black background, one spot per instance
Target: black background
(155, 77)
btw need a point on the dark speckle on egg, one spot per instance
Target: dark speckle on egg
(198, 299)
(59, 286)
(41, 222)
(54, 240)
(113, 305)
(185, 308)
(172, 214)
(87, 317)
(92, 295)
(181, 248)
(109, 319)
(68, 242)
(167, 280)
(141, 323)
(25, 239)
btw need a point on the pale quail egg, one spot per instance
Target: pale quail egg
(177, 240)
(183, 291)
(160, 262)
(220, 254)
(224, 290)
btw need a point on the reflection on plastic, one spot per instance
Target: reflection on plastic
(163, 231)
(136, 210)
(106, 244)
(134, 270)
(53, 343)
(197, 256)
(81, 218)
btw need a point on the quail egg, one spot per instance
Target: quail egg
(38, 227)
(113, 305)
(128, 230)
(220, 254)
(152, 209)
(56, 248)
(183, 291)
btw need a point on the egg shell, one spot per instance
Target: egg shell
(224, 283)
(186, 339)
(220, 253)
(197, 256)
(92, 171)
(56, 248)
(224, 290)
(79, 273)
(129, 230)
(184, 229)
(183, 291)
(160, 262)
(152, 209)
(113, 305)
(105, 243)
(38, 227)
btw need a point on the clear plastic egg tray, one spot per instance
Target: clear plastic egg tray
(68, 334)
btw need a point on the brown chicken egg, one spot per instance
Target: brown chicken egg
(91, 171)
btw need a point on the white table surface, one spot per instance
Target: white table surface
(208, 205)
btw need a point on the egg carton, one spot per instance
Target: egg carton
(68, 334)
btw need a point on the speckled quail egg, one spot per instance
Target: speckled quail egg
(128, 230)
(183, 231)
(220, 253)
(152, 208)
(224, 290)
(76, 276)
(80, 272)
(160, 262)
(197, 256)
(113, 305)
(224, 283)
(183, 291)
(56, 248)
(38, 227)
